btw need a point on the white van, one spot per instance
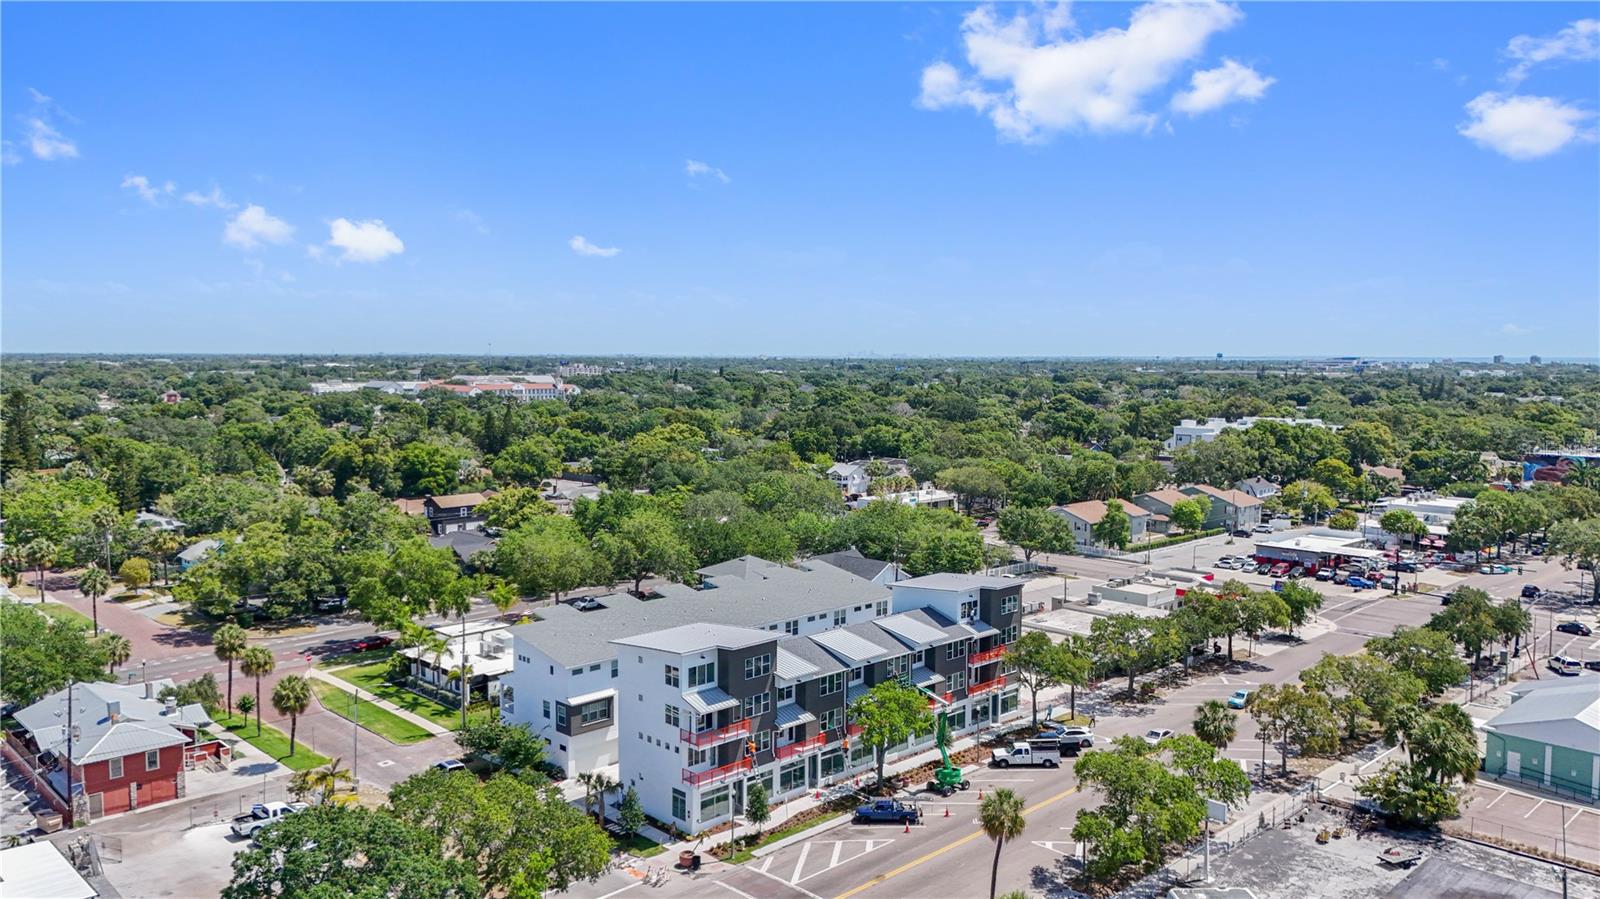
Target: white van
(1565, 666)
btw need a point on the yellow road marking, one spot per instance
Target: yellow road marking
(949, 846)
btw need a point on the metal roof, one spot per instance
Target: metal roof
(958, 582)
(924, 677)
(698, 636)
(804, 649)
(39, 871)
(710, 699)
(1568, 717)
(790, 714)
(917, 629)
(792, 667)
(855, 693)
(851, 645)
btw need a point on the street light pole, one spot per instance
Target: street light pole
(355, 738)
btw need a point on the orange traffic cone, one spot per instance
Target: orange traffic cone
(947, 811)
(980, 793)
(908, 825)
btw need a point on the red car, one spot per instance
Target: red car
(1280, 569)
(376, 641)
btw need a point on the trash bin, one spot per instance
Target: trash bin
(686, 859)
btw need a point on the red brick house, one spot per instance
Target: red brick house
(127, 748)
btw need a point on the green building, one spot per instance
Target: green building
(1549, 737)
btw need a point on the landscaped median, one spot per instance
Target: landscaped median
(379, 720)
(271, 741)
(373, 678)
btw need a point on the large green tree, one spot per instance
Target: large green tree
(888, 715)
(42, 654)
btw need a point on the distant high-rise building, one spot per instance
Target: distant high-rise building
(1499, 358)
(1534, 360)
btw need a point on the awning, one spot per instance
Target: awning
(591, 697)
(925, 677)
(790, 714)
(856, 692)
(710, 699)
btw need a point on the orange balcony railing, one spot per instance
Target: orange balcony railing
(737, 729)
(853, 730)
(714, 775)
(800, 746)
(985, 657)
(988, 686)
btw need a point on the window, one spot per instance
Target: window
(832, 719)
(883, 607)
(759, 704)
(697, 757)
(1009, 635)
(811, 618)
(152, 760)
(595, 667)
(833, 683)
(758, 666)
(838, 617)
(832, 764)
(561, 715)
(955, 680)
(1008, 605)
(702, 723)
(591, 712)
(700, 675)
(114, 769)
(680, 805)
(786, 694)
(672, 675)
(955, 650)
(792, 628)
(763, 741)
(547, 708)
(856, 674)
(969, 609)
(714, 804)
(613, 667)
(672, 716)
(792, 776)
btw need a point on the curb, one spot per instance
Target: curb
(806, 834)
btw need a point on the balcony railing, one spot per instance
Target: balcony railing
(800, 746)
(988, 655)
(853, 730)
(715, 775)
(935, 699)
(734, 731)
(988, 686)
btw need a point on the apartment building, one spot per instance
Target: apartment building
(709, 710)
(565, 677)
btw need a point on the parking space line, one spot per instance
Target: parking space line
(838, 846)
(1496, 799)
(800, 866)
(623, 890)
(766, 863)
(1573, 818)
(734, 889)
(1535, 807)
(785, 883)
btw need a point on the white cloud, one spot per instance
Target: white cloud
(214, 198)
(1524, 127)
(1213, 88)
(47, 143)
(1514, 330)
(694, 168)
(1031, 80)
(468, 217)
(364, 241)
(8, 153)
(148, 192)
(254, 226)
(583, 247)
(1577, 42)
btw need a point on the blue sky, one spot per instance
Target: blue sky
(1104, 179)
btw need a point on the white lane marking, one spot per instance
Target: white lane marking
(733, 888)
(1050, 846)
(1535, 807)
(622, 890)
(1496, 799)
(838, 846)
(784, 882)
(766, 863)
(800, 866)
(834, 862)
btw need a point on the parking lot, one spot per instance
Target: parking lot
(1509, 814)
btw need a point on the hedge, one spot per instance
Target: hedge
(1181, 538)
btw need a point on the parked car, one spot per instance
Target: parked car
(1592, 664)
(263, 813)
(891, 810)
(1327, 574)
(1227, 562)
(376, 641)
(1242, 532)
(1263, 568)
(1574, 627)
(1403, 567)
(1261, 529)
(450, 765)
(1280, 569)
(1070, 735)
(1156, 735)
(1361, 583)
(1239, 699)
(586, 604)
(1564, 666)
(1297, 571)
(1531, 591)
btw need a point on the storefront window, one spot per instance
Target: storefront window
(714, 804)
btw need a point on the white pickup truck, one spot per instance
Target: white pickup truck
(1038, 751)
(263, 813)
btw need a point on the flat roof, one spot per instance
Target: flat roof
(38, 871)
(1322, 543)
(952, 582)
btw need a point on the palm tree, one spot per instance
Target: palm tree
(596, 784)
(1215, 723)
(1002, 820)
(104, 522)
(290, 697)
(228, 643)
(325, 780)
(41, 554)
(164, 544)
(118, 649)
(257, 662)
(95, 583)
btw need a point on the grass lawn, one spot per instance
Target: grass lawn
(772, 836)
(371, 679)
(380, 721)
(640, 846)
(346, 659)
(64, 613)
(272, 741)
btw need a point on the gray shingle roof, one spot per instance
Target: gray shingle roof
(853, 561)
(803, 648)
(742, 567)
(781, 593)
(141, 725)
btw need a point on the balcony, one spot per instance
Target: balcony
(988, 686)
(853, 730)
(716, 775)
(802, 746)
(937, 699)
(988, 655)
(734, 731)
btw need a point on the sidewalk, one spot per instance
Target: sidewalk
(384, 704)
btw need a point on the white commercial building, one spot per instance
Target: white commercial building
(1192, 431)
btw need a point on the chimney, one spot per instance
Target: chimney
(114, 710)
(171, 706)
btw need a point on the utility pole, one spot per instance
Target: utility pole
(355, 737)
(72, 808)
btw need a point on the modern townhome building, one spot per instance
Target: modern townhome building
(565, 677)
(1191, 431)
(709, 710)
(453, 512)
(1231, 509)
(126, 748)
(1085, 515)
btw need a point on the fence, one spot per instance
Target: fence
(1027, 567)
(26, 764)
(220, 810)
(1577, 845)
(1247, 827)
